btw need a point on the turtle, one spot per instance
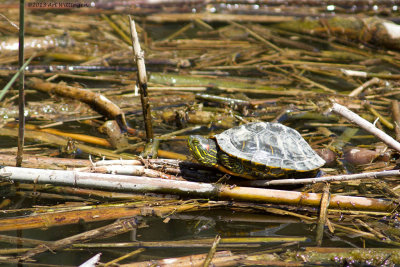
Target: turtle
(258, 150)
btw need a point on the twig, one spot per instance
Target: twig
(97, 101)
(179, 32)
(111, 229)
(142, 81)
(257, 36)
(21, 97)
(61, 141)
(322, 214)
(396, 118)
(306, 80)
(35, 161)
(382, 119)
(10, 21)
(367, 175)
(212, 251)
(130, 254)
(366, 125)
(16, 75)
(22, 240)
(229, 242)
(134, 170)
(212, 17)
(363, 86)
(372, 230)
(116, 28)
(203, 25)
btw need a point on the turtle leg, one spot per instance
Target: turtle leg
(232, 166)
(244, 169)
(230, 163)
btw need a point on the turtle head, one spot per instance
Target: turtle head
(203, 149)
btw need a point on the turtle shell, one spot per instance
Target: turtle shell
(272, 145)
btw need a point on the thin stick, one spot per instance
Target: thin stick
(382, 119)
(14, 78)
(116, 28)
(396, 118)
(212, 251)
(322, 214)
(363, 86)
(257, 36)
(228, 242)
(142, 80)
(115, 228)
(211, 17)
(130, 254)
(179, 32)
(10, 21)
(366, 125)
(372, 230)
(306, 80)
(21, 90)
(367, 175)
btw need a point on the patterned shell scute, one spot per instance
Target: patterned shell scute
(271, 144)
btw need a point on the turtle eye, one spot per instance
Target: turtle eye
(194, 141)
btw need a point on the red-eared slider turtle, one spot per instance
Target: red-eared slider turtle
(256, 150)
